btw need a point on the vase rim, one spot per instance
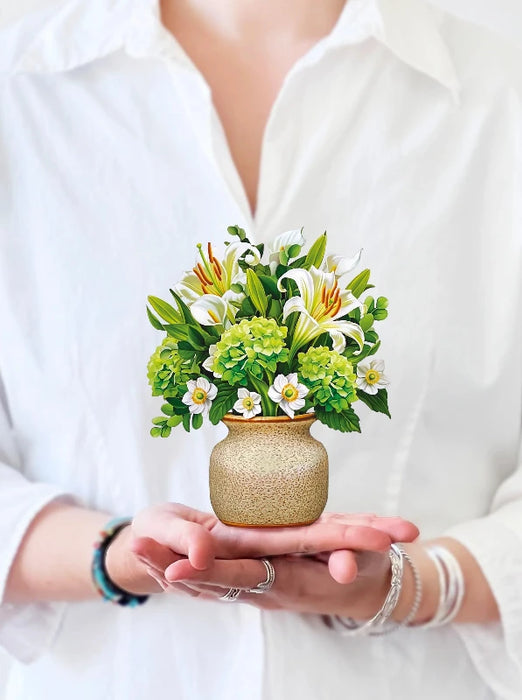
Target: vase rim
(231, 418)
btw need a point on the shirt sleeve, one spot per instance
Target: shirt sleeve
(495, 541)
(25, 630)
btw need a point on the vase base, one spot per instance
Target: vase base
(268, 525)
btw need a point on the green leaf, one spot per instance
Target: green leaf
(366, 322)
(168, 409)
(237, 231)
(165, 310)
(345, 422)
(358, 284)
(375, 348)
(173, 421)
(196, 339)
(186, 421)
(160, 420)
(256, 292)
(178, 331)
(165, 431)
(275, 309)
(382, 303)
(155, 432)
(184, 310)
(316, 253)
(371, 336)
(268, 406)
(247, 308)
(380, 314)
(197, 420)
(377, 402)
(270, 286)
(236, 288)
(225, 399)
(156, 323)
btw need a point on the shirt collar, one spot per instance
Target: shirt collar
(82, 31)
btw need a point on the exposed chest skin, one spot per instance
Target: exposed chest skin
(245, 70)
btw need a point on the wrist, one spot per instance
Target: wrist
(430, 587)
(124, 568)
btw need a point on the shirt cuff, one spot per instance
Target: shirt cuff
(496, 648)
(26, 630)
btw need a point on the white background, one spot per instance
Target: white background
(505, 16)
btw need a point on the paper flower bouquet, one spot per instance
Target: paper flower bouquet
(268, 342)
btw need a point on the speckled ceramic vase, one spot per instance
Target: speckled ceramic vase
(268, 472)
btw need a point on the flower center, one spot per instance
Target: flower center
(372, 376)
(330, 303)
(290, 393)
(199, 396)
(248, 403)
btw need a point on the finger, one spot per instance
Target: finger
(181, 534)
(318, 537)
(342, 565)
(154, 553)
(397, 528)
(226, 573)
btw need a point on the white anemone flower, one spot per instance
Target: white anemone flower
(341, 266)
(283, 243)
(199, 396)
(370, 376)
(248, 403)
(320, 304)
(288, 393)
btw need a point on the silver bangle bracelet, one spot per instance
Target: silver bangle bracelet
(451, 586)
(347, 626)
(417, 599)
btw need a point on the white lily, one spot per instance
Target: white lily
(211, 310)
(199, 395)
(370, 376)
(288, 393)
(212, 276)
(282, 243)
(320, 305)
(248, 403)
(341, 266)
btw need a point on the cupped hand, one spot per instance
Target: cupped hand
(172, 534)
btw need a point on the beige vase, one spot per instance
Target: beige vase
(268, 472)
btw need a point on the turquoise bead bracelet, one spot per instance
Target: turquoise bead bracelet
(102, 582)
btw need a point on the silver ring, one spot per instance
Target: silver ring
(231, 595)
(267, 584)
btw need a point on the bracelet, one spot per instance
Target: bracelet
(101, 579)
(451, 585)
(347, 626)
(417, 599)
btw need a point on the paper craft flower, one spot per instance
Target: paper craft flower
(320, 303)
(288, 393)
(370, 377)
(199, 396)
(265, 331)
(248, 403)
(329, 377)
(252, 347)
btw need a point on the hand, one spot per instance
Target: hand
(164, 535)
(303, 583)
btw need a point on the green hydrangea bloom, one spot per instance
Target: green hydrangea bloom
(252, 345)
(329, 376)
(167, 372)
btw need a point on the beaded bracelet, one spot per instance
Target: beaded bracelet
(102, 582)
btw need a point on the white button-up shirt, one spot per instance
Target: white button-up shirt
(399, 133)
